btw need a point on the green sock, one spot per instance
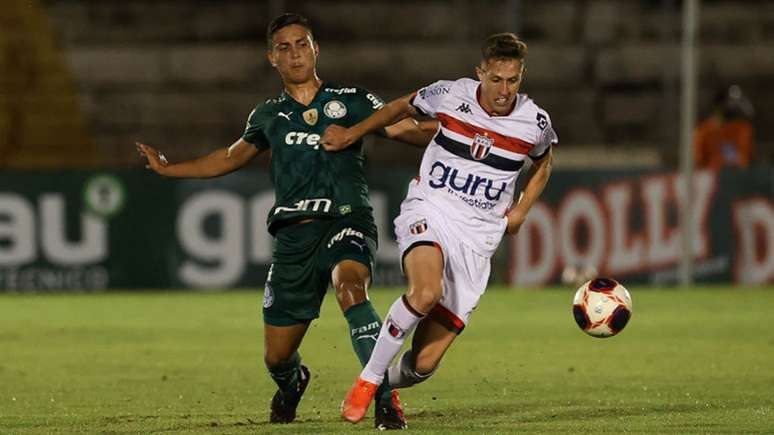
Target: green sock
(285, 375)
(364, 326)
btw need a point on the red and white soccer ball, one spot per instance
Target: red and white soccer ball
(602, 307)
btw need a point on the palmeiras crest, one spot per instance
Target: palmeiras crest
(480, 147)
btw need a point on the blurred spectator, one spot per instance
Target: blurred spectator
(725, 138)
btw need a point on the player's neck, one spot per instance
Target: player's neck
(304, 92)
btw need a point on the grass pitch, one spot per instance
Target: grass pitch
(689, 361)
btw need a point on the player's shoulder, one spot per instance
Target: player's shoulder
(351, 94)
(339, 90)
(270, 106)
(526, 106)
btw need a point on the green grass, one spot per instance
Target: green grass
(696, 361)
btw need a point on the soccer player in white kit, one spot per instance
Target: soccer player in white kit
(457, 209)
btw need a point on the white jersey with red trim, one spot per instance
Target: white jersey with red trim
(469, 169)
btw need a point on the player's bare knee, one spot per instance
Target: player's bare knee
(272, 359)
(423, 297)
(349, 292)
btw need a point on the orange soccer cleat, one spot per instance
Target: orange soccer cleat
(355, 404)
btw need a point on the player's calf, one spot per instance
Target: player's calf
(404, 373)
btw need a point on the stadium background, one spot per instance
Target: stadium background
(81, 80)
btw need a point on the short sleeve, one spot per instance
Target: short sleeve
(254, 130)
(366, 103)
(428, 99)
(546, 137)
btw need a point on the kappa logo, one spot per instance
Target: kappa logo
(480, 147)
(464, 108)
(418, 227)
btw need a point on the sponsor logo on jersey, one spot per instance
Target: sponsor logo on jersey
(480, 147)
(346, 232)
(341, 91)
(310, 116)
(302, 138)
(316, 204)
(542, 121)
(418, 227)
(363, 329)
(335, 109)
(464, 108)
(444, 176)
(376, 102)
(429, 92)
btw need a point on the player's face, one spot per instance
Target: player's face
(500, 81)
(294, 54)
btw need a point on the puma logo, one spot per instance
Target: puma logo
(285, 115)
(359, 245)
(373, 337)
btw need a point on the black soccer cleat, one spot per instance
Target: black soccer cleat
(390, 417)
(283, 408)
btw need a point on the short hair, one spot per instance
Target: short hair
(503, 46)
(285, 20)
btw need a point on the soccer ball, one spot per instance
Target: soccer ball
(602, 307)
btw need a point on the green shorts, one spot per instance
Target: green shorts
(304, 257)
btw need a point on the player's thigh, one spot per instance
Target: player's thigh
(280, 342)
(295, 288)
(432, 339)
(348, 252)
(423, 265)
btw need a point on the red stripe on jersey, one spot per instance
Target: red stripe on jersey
(511, 144)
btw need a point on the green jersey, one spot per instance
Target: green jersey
(309, 181)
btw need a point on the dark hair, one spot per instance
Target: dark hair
(285, 20)
(503, 46)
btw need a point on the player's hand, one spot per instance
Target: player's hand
(515, 220)
(156, 160)
(336, 138)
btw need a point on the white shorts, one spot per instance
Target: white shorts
(466, 272)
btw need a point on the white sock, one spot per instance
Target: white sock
(398, 324)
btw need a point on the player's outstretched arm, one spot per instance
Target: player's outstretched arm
(219, 162)
(538, 177)
(337, 138)
(412, 132)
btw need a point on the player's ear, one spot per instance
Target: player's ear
(480, 74)
(316, 49)
(270, 57)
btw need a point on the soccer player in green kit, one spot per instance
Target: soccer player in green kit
(321, 220)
